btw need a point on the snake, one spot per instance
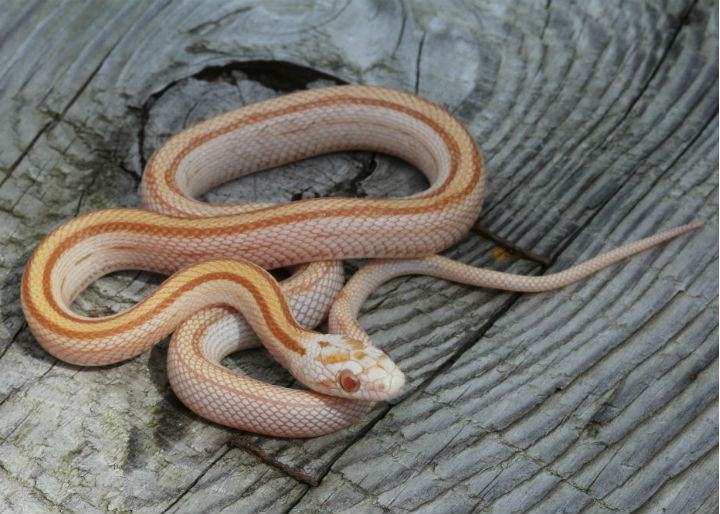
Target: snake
(219, 297)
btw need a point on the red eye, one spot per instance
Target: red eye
(348, 381)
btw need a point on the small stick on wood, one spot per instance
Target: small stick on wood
(511, 247)
(272, 461)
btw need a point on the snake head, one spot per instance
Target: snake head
(349, 368)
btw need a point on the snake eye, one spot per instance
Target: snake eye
(348, 381)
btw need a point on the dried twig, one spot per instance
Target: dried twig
(272, 461)
(511, 247)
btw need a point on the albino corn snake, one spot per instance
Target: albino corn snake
(200, 245)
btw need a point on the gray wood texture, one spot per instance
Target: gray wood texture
(598, 122)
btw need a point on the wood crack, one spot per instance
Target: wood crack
(418, 62)
(682, 21)
(195, 482)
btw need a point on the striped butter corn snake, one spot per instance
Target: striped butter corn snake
(216, 256)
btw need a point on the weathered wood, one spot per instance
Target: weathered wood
(598, 124)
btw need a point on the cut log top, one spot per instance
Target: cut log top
(598, 125)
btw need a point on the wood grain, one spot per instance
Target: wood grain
(598, 124)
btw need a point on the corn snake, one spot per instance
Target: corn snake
(198, 245)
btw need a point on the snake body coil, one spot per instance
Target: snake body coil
(199, 246)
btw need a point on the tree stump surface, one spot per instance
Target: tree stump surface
(598, 122)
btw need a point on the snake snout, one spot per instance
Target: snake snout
(385, 380)
(358, 371)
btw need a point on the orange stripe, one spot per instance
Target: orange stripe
(256, 117)
(274, 327)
